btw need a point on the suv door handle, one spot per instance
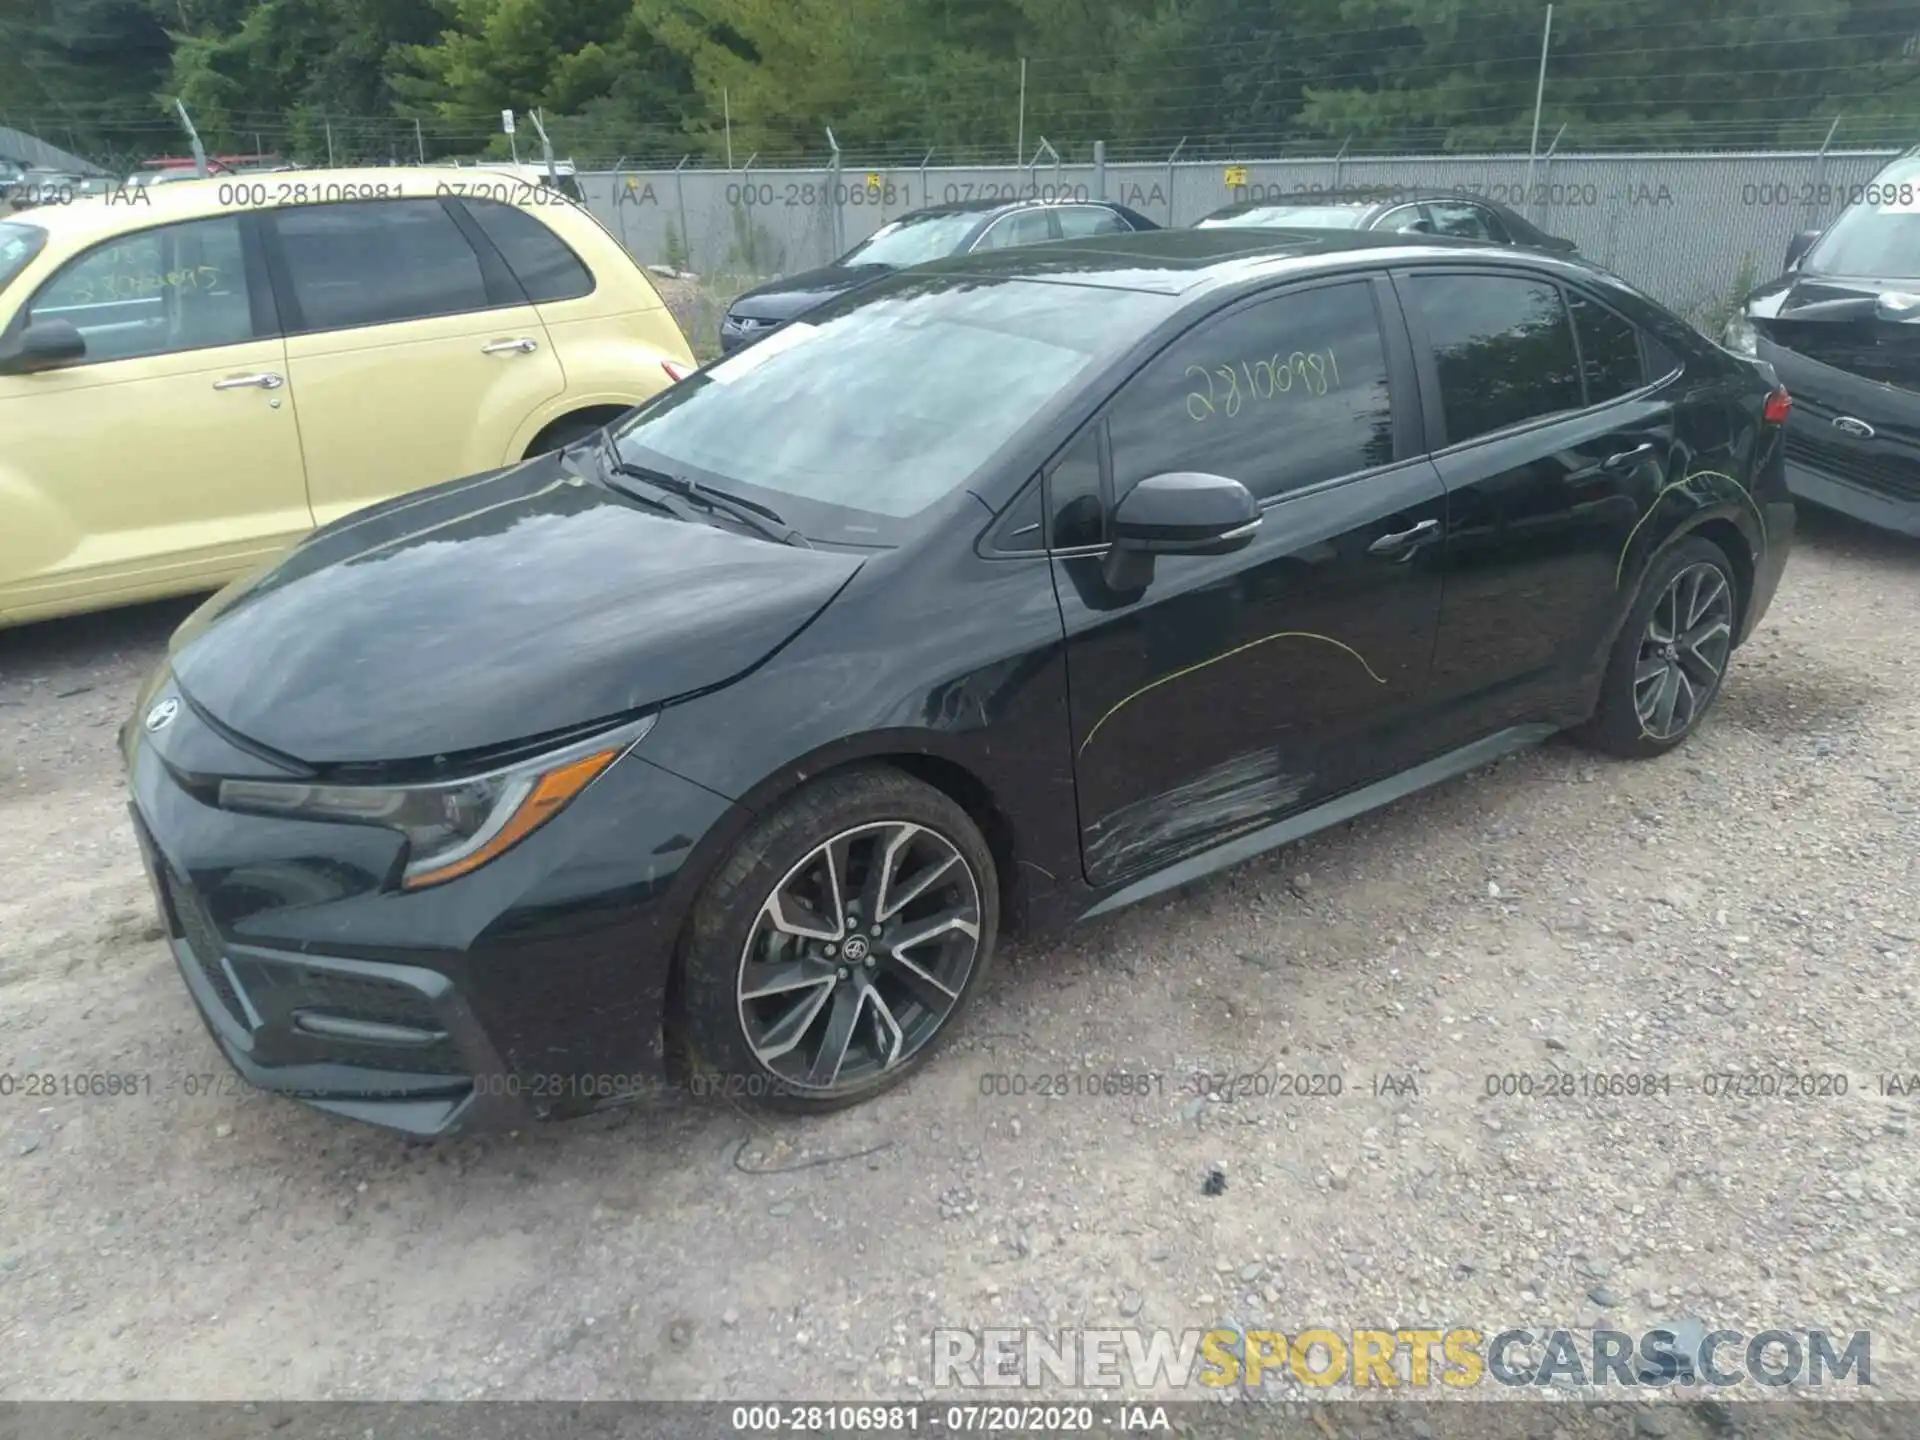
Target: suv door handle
(267, 381)
(1405, 539)
(518, 347)
(1626, 459)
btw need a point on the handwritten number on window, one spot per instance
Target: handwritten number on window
(1316, 372)
(1196, 399)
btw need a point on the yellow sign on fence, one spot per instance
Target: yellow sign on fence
(1236, 176)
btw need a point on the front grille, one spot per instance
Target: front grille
(1874, 470)
(203, 941)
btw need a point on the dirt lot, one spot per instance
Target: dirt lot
(1751, 903)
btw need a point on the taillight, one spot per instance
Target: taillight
(1776, 408)
(676, 372)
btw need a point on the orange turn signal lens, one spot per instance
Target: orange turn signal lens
(545, 799)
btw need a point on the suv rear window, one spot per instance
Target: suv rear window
(546, 268)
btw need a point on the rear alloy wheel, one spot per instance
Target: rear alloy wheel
(831, 952)
(1671, 655)
(1683, 652)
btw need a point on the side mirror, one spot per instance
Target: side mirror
(1799, 245)
(45, 346)
(1180, 513)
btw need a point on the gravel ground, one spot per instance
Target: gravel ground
(1751, 903)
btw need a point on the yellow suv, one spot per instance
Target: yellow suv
(194, 375)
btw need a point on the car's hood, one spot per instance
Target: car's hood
(790, 295)
(487, 611)
(1838, 323)
(1822, 297)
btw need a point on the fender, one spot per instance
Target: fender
(1680, 508)
(570, 401)
(1683, 505)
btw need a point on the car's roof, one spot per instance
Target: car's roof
(985, 204)
(1357, 197)
(133, 207)
(1172, 262)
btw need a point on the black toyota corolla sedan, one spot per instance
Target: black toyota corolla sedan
(1842, 328)
(1008, 591)
(940, 231)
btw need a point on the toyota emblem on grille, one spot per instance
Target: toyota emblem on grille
(1859, 429)
(162, 715)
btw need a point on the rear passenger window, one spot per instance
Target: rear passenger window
(546, 268)
(1023, 227)
(1609, 350)
(1079, 220)
(378, 262)
(1504, 349)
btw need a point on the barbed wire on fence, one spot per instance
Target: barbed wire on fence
(1608, 86)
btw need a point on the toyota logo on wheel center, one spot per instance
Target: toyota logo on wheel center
(855, 949)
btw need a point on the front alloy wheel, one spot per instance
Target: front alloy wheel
(859, 955)
(830, 953)
(1683, 652)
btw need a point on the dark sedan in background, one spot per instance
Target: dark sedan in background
(915, 238)
(1013, 589)
(1842, 328)
(1459, 214)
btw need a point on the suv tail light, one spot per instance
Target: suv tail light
(1776, 408)
(676, 372)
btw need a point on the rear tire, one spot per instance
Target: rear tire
(1670, 657)
(808, 983)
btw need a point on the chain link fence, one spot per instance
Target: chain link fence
(1692, 230)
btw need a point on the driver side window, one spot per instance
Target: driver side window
(156, 292)
(1286, 392)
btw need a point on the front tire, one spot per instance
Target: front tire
(1670, 657)
(831, 953)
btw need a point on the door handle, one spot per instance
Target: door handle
(267, 381)
(513, 347)
(1405, 539)
(1626, 459)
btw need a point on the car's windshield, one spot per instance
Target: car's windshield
(18, 245)
(1311, 217)
(913, 240)
(859, 417)
(1878, 237)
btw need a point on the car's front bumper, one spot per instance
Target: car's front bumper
(1876, 506)
(533, 988)
(1852, 444)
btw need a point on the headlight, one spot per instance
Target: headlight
(452, 827)
(1897, 305)
(1741, 338)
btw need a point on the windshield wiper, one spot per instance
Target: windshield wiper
(762, 519)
